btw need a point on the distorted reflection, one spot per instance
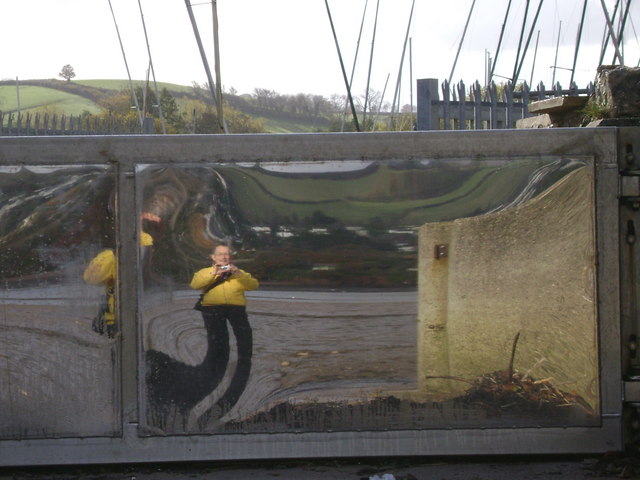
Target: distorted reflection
(350, 331)
(103, 271)
(171, 383)
(59, 378)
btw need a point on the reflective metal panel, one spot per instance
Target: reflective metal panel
(59, 376)
(370, 312)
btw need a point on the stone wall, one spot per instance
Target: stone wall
(528, 269)
(618, 91)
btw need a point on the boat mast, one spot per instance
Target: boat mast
(353, 67)
(624, 22)
(614, 38)
(366, 92)
(344, 73)
(495, 58)
(575, 55)
(222, 127)
(396, 95)
(555, 60)
(153, 73)
(216, 53)
(605, 36)
(455, 61)
(526, 46)
(18, 95)
(411, 74)
(535, 54)
(133, 93)
(384, 90)
(514, 77)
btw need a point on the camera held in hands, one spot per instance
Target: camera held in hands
(225, 268)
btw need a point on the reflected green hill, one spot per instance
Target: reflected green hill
(333, 229)
(400, 197)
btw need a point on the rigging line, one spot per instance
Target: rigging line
(614, 39)
(624, 22)
(524, 24)
(344, 73)
(461, 41)
(606, 35)
(355, 60)
(373, 42)
(153, 73)
(133, 94)
(396, 95)
(526, 46)
(504, 24)
(578, 40)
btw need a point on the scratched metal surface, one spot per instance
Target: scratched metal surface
(93, 391)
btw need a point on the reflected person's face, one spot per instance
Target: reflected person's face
(221, 256)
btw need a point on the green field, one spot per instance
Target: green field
(264, 198)
(44, 99)
(117, 85)
(81, 96)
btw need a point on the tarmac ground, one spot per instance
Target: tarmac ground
(608, 466)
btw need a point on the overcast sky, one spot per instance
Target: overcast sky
(288, 46)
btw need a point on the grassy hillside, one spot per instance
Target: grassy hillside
(116, 85)
(399, 197)
(41, 98)
(80, 96)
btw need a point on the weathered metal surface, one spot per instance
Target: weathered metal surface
(520, 288)
(331, 350)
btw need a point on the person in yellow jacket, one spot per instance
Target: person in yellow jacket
(102, 270)
(223, 300)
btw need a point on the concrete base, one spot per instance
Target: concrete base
(527, 269)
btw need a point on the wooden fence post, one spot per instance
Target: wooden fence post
(525, 100)
(462, 105)
(427, 94)
(477, 105)
(446, 104)
(493, 98)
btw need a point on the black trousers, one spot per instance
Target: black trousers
(215, 322)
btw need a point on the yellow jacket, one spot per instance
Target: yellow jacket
(102, 271)
(230, 292)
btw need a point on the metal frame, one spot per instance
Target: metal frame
(603, 144)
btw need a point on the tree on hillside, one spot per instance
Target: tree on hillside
(168, 104)
(119, 102)
(67, 73)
